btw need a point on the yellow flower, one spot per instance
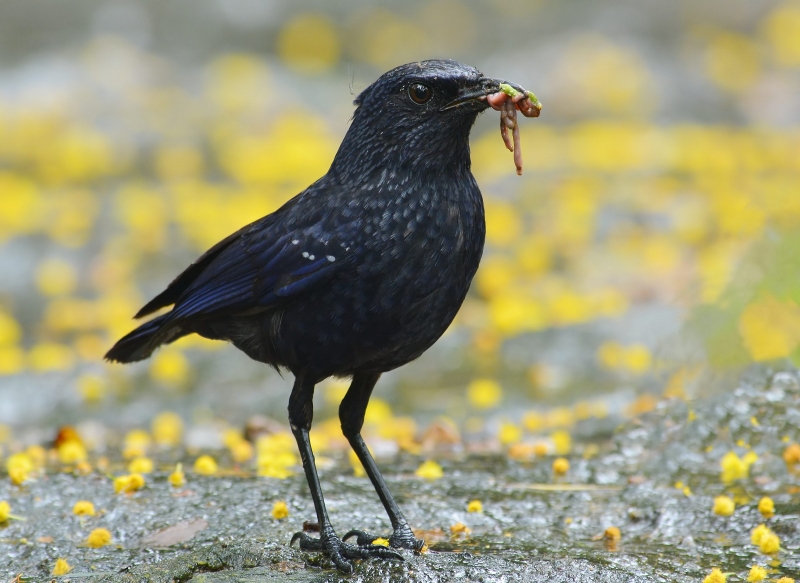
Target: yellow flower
(770, 328)
(562, 442)
(140, 465)
(791, 455)
(5, 511)
(540, 448)
(460, 528)
(509, 433)
(770, 543)
(429, 470)
(177, 478)
(766, 507)
(723, 505)
(91, 388)
(137, 439)
(475, 506)
(71, 452)
(484, 393)
(758, 533)
(167, 428)
(756, 574)
(61, 567)
(276, 454)
(533, 421)
(83, 508)
(129, 484)
(612, 533)
(269, 469)
(206, 465)
(170, 367)
(17, 476)
(10, 330)
(241, 451)
(785, 580)
(735, 468)
(99, 537)
(49, 356)
(716, 576)
(560, 466)
(637, 359)
(280, 510)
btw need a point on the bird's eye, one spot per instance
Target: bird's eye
(420, 93)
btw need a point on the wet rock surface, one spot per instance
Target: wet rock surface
(534, 526)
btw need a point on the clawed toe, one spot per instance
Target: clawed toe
(363, 538)
(307, 543)
(402, 538)
(341, 553)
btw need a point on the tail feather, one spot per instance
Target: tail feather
(143, 341)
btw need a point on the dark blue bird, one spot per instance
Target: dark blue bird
(357, 275)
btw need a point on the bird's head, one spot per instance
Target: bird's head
(417, 114)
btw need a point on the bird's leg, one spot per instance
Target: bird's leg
(301, 412)
(351, 414)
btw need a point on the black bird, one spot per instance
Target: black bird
(357, 275)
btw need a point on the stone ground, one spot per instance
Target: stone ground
(534, 527)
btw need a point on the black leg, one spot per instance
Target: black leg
(301, 413)
(351, 414)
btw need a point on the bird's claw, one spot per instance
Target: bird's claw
(402, 538)
(342, 553)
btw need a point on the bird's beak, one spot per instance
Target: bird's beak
(476, 94)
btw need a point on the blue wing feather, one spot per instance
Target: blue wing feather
(259, 271)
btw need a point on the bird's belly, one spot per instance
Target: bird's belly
(361, 325)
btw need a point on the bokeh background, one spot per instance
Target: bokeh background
(651, 249)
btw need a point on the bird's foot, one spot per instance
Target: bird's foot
(340, 552)
(402, 538)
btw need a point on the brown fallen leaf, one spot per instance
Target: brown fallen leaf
(44, 539)
(172, 535)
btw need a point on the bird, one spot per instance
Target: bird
(357, 275)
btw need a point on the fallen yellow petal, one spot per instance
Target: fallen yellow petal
(612, 533)
(429, 470)
(205, 465)
(83, 508)
(177, 477)
(280, 510)
(560, 466)
(766, 507)
(716, 576)
(99, 537)
(140, 465)
(61, 567)
(756, 574)
(723, 506)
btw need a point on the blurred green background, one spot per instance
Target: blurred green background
(650, 249)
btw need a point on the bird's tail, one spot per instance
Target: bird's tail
(141, 343)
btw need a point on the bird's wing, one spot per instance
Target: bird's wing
(257, 268)
(170, 295)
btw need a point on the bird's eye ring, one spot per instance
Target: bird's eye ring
(420, 93)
